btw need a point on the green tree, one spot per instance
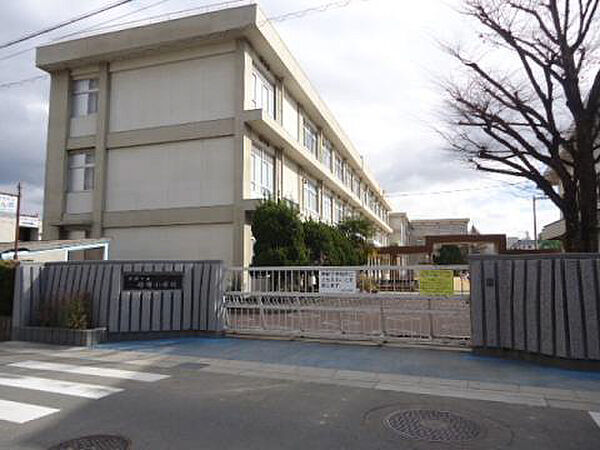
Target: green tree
(279, 235)
(322, 244)
(550, 245)
(357, 232)
(450, 255)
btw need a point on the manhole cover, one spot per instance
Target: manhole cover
(95, 443)
(431, 425)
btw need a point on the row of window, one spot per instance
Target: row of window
(340, 168)
(262, 185)
(264, 96)
(332, 210)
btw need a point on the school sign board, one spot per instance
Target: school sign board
(436, 282)
(337, 281)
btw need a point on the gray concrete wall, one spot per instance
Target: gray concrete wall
(197, 306)
(546, 305)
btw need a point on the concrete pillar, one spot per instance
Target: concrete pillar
(56, 154)
(242, 149)
(278, 173)
(99, 196)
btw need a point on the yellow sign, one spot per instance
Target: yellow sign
(436, 282)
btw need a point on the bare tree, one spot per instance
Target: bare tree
(530, 107)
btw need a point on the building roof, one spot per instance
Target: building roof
(38, 246)
(432, 221)
(247, 22)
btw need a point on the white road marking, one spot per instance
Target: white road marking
(23, 412)
(93, 391)
(95, 371)
(596, 417)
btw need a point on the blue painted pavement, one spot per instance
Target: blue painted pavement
(458, 365)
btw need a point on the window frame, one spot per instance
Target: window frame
(339, 167)
(309, 129)
(261, 187)
(311, 188)
(259, 79)
(327, 210)
(327, 149)
(90, 93)
(86, 167)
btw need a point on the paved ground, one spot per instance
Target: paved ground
(248, 394)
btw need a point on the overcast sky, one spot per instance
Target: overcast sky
(374, 62)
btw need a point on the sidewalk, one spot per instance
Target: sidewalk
(410, 361)
(446, 373)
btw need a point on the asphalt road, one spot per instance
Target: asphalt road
(193, 408)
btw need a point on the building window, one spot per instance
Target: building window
(339, 167)
(327, 208)
(263, 94)
(80, 171)
(338, 211)
(327, 153)
(356, 185)
(263, 167)
(311, 197)
(347, 180)
(84, 97)
(310, 137)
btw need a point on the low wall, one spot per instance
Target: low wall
(546, 305)
(127, 298)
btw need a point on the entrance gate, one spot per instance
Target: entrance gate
(421, 304)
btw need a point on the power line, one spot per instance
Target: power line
(63, 24)
(415, 194)
(313, 10)
(206, 7)
(100, 27)
(131, 13)
(21, 82)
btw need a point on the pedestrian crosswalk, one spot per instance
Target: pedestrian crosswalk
(27, 379)
(86, 370)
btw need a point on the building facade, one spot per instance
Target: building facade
(414, 232)
(165, 137)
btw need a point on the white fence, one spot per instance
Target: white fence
(381, 303)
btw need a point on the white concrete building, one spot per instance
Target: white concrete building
(413, 232)
(163, 138)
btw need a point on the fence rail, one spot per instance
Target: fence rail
(372, 302)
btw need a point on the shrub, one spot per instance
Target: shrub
(71, 311)
(7, 283)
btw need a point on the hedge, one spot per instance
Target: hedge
(7, 279)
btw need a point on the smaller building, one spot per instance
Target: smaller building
(521, 244)
(60, 250)
(29, 224)
(420, 229)
(414, 232)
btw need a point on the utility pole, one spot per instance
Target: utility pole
(16, 253)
